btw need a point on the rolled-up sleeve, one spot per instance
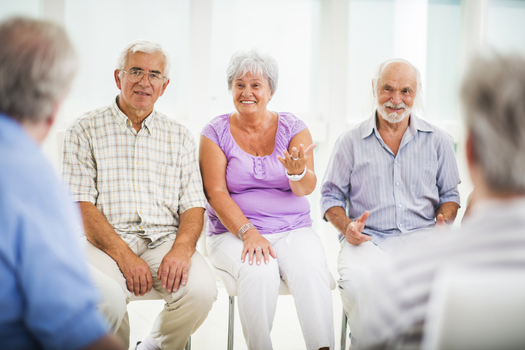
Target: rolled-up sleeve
(191, 193)
(336, 183)
(448, 173)
(79, 166)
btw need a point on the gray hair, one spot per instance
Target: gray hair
(419, 107)
(145, 46)
(37, 66)
(493, 98)
(256, 63)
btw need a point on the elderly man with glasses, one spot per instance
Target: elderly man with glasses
(135, 175)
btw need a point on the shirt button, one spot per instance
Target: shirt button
(140, 227)
(138, 187)
(140, 212)
(400, 205)
(400, 225)
(395, 161)
(137, 163)
(397, 183)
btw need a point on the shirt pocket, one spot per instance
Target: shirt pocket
(423, 177)
(166, 185)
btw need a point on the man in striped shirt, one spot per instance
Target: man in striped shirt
(494, 233)
(135, 175)
(387, 182)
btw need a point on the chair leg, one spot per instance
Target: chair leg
(230, 323)
(344, 323)
(188, 344)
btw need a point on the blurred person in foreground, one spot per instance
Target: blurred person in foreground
(493, 235)
(389, 181)
(135, 174)
(257, 166)
(46, 298)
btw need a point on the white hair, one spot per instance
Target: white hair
(493, 99)
(145, 46)
(256, 63)
(37, 66)
(418, 108)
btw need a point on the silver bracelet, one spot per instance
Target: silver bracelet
(244, 228)
(297, 177)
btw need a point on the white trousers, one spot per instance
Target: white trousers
(301, 263)
(185, 309)
(357, 264)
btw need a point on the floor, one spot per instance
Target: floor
(213, 334)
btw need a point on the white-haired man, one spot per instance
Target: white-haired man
(492, 97)
(135, 174)
(46, 298)
(387, 182)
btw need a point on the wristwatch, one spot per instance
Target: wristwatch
(297, 177)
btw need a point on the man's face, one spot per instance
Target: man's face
(140, 96)
(396, 92)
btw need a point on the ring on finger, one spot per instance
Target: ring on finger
(295, 158)
(258, 248)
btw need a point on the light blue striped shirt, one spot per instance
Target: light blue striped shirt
(401, 192)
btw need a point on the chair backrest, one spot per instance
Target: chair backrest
(476, 308)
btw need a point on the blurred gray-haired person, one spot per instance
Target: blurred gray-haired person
(46, 298)
(493, 235)
(134, 172)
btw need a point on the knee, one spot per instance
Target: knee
(112, 303)
(202, 293)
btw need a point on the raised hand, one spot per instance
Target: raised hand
(353, 231)
(295, 161)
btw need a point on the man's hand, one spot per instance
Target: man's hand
(173, 270)
(137, 274)
(441, 224)
(353, 231)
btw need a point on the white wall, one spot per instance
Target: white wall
(328, 51)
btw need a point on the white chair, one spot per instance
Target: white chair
(231, 288)
(344, 325)
(476, 308)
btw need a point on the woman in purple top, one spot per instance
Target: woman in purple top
(257, 168)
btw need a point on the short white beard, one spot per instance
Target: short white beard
(393, 117)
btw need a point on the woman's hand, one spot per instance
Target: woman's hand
(295, 161)
(256, 245)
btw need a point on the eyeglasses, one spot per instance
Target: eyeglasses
(136, 75)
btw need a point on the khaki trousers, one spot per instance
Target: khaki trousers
(184, 311)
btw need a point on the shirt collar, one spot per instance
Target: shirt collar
(415, 125)
(124, 121)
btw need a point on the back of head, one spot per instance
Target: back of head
(145, 46)
(37, 65)
(493, 96)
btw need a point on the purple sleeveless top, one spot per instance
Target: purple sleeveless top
(259, 185)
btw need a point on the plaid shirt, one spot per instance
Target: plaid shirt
(141, 181)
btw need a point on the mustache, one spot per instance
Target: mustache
(392, 105)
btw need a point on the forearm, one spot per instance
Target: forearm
(228, 211)
(189, 231)
(337, 217)
(306, 185)
(100, 232)
(449, 210)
